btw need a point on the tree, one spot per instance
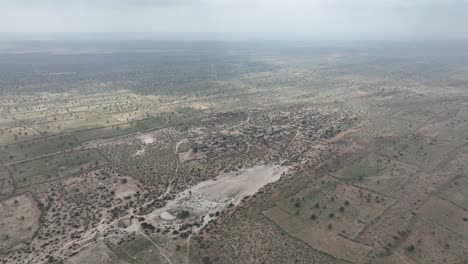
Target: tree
(184, 214)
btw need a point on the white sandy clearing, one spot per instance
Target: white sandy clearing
(126, 189)
(199, 106)
(139, 152)
(215, 195)
(146, 138)
(167, 216)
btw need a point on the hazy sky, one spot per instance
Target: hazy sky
(241, 19)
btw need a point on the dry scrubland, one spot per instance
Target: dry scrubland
(292, 156)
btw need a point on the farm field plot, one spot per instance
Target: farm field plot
(416, 115)
(457, 192)
(17, 134)
(333, 213)
(77, 124)
(51, 168)
(19, 219)
(108, 131)
(446, 214)
(6, 183)
(452, 129)
(428, 242)
(428, 156)
(34, 148)
(96, 255)
(378, 173)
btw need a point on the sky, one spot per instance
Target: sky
(392, 20)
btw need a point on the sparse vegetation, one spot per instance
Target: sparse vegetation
(111, 157)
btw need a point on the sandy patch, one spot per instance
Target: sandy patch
(341, 135)
(190, 155)
(139, 152)
(199, 106)
(230, 132)
(215, 195)
(126, 189)
(167, 216)
(183, 156)
(146, 138)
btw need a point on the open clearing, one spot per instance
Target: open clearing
(19, 220)
(217, 194)
(329, 215)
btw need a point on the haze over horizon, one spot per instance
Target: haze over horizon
(355, 20)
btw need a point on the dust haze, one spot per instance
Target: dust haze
(356, 20)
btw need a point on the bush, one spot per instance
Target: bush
(184, 214)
